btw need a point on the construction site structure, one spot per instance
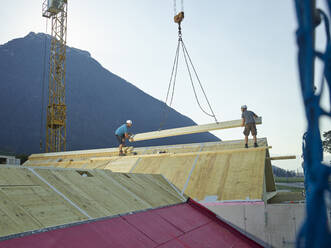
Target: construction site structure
(235, 183)
(82, 191)
(56, 11)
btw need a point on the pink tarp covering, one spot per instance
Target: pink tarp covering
(187, 225)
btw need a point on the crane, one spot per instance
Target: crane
(56, 11)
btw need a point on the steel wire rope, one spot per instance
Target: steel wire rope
(172, 82)
(173, 76)
(175, 6)
(185, 52)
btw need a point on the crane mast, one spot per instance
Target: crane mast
(56, 11)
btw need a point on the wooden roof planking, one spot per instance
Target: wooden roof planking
(222, 171)
(36, 198)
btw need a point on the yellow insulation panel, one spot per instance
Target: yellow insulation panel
(35, 198)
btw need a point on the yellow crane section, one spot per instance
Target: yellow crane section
(56, 11)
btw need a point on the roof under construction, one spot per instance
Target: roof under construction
(217, 171)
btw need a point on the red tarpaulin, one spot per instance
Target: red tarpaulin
(187, 225)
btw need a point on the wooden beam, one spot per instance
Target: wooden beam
(189, 130)
(282, 157)
(92, 160)
(80, 154)
(183, 154)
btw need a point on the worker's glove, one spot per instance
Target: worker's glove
(131, 135)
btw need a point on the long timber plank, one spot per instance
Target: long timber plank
(190, 130)
(282, 157)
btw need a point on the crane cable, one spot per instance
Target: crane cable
(173, 77)
(186, 54)
(43, 89)
(175, 7)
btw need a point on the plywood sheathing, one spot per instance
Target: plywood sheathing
(222, 170)
(236, 176)
(65, 196)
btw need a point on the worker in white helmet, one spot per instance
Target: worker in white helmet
(122, 134)
(248, 121)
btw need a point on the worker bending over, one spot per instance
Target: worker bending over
(248, 121)
(122, 134)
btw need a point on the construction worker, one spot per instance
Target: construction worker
(122, 134)
(248, 121)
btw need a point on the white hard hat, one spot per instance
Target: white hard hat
(244, 106)
(129, 122)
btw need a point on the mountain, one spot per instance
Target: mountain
(97, 101)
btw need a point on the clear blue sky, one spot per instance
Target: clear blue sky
(244, 51)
